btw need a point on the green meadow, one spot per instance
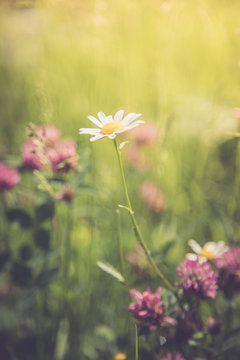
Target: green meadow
(177, 62)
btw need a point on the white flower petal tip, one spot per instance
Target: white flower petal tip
(110, 126)
(195, 246)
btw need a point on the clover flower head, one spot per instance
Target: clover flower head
(136, 158)
(228, 266)
(63, 157)
(146, 134)
(211, 250)
(200, 279)
(137, 259)
(48, 134)
(214, 326)
(9, 177)
(169, 356)
(153, 196)
(149, 309)
(66, 195)
(109, 126)
(31, 158)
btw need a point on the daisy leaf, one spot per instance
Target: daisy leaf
(121, 146)
(111, 271)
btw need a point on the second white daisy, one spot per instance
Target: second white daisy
(109, 126)
(209, 251)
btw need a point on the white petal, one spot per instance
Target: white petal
(95, 121)
(221, 248)
(130, 118)
(97, 137)
(202, 259)
(112, 136)
(195, 246)
(119, 115)
(103, 118)
(194, 257)
(211, 246)
(133, 125)
(90, 131)
(191, 256)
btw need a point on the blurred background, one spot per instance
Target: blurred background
(178, 63)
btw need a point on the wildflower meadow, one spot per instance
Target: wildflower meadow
(119, 180)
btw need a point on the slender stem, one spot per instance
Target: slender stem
(4, 223)
(122, 263)
(137, 230)
(136, 332)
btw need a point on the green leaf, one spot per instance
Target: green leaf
(111, 271)
(27, 300)
(45, 211)
(42, 239)
(46, 277)
(4, 257)
(198, 335)
(20, 216)
(25, 252)
(230, 341)
(21, 274)
(122, 144)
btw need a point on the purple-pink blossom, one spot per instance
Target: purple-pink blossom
(214, 326)
(169, 356)
(153, 197)
(66, 195)
(228, 266)
(200, 279)
(63, 157)
(30, 154)
(149, 309)
(147, 134)
(9, 177)
(136, 158)
(49, 135)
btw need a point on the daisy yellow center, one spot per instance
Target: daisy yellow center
(120, 356)
(110, 127)
(207, 254)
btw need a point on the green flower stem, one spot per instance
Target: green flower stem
(136, 351)
(122, 263)
(4, 223)
(137, 230)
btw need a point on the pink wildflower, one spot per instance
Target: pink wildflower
(153, 196)
(9, 177)
(48, 134)
(66, 195)
(149, 309)
(63, 157)
(137, 259)
(200, 279)
(30, 154)
(169, 356)
(147, 134)
(214, 326)
(136, 159)
(228, 266)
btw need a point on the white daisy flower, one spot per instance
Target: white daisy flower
(111, 126)
(209, 251)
